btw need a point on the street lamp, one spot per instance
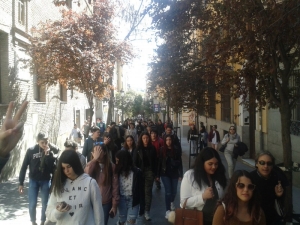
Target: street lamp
(122, 95)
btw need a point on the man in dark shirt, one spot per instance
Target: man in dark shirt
(40, 160)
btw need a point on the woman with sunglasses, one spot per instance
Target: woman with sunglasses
(271, 183)
(75, 196)
(230, 139)
(204, 184)
(240, 204)
(129, 145)
(103, 171)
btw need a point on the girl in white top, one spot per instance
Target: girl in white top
(204, 184)
(75, 197)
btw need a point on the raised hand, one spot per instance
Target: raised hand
(63, 207)
(11, 130)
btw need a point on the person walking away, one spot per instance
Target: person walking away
(160, 128)
(40, 160)
(204, 184)
(117, 134)
(131, 188)
(157, 142)
(214, 137)
(90, 142)
(72, 145)
(169, 171)
(103, 171)
(230, 139)
(75, 196)
(85, 129)
(101, 125)
(129, 145)
(203, 137)
(175, 139)
(139, 128)
(271, 183)
(241, 204)
(76, 134)
(133, 132)
(145, 159)
(193, 131)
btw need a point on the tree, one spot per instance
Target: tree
(79, 51)
(137, 108)
(177, 72)
(260, 39)
(126, 102)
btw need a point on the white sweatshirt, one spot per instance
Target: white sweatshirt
(191, 190)
(84, 196)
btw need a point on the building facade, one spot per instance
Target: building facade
(53, 109)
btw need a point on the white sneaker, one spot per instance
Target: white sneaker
(147, 216)
(167, 214)
(172, 206)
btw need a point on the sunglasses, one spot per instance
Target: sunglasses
(98, 143)
(264, 163)
(250, 187)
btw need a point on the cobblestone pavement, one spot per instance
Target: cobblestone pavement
(14, 207)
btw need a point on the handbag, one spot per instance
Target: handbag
(185, 216)
(222, 149)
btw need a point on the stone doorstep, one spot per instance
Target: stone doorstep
(249, 162)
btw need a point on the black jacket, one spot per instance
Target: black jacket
(88, 147)
(240, 149)
(171, 165)
(41, 166)
(137, 187)
(138, 158)
(175, 140)
(192, 132)
(266, 189)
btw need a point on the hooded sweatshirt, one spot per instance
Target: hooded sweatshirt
(84, 197)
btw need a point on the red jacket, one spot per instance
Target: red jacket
(158, 143)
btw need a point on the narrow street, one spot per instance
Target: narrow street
(14, 207)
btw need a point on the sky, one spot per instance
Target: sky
(137, 70)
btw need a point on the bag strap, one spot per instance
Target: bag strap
(184, 204)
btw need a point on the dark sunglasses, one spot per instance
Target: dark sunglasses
(264, 163)
(250, 187)
(98, 143)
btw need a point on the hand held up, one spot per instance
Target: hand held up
(208, 193)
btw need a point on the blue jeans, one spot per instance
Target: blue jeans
(126, 211)
(33, 192)
(170, 185)
(106, 208)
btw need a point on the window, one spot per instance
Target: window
(63, 93)
(39, 91)
(295, 82)
(21, 11)
(226, 106)
(211, 98)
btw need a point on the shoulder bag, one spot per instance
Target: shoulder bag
(185, 216)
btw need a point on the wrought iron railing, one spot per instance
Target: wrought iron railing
(295, 127)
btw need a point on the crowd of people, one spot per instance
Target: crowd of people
(115, 174)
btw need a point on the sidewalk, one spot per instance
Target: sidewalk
(14, 207)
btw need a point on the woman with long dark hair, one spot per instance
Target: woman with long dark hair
(110, 146)
(145, 159)
(129, 145)
(240, 204)
(170, 171)
(131, 188)
(75, 196)
(204, 184)
(103, 171)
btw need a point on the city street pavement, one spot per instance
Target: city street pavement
(14, 207)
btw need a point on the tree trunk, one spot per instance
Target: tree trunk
(91, 104)
(252, 118)
(285, 116)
